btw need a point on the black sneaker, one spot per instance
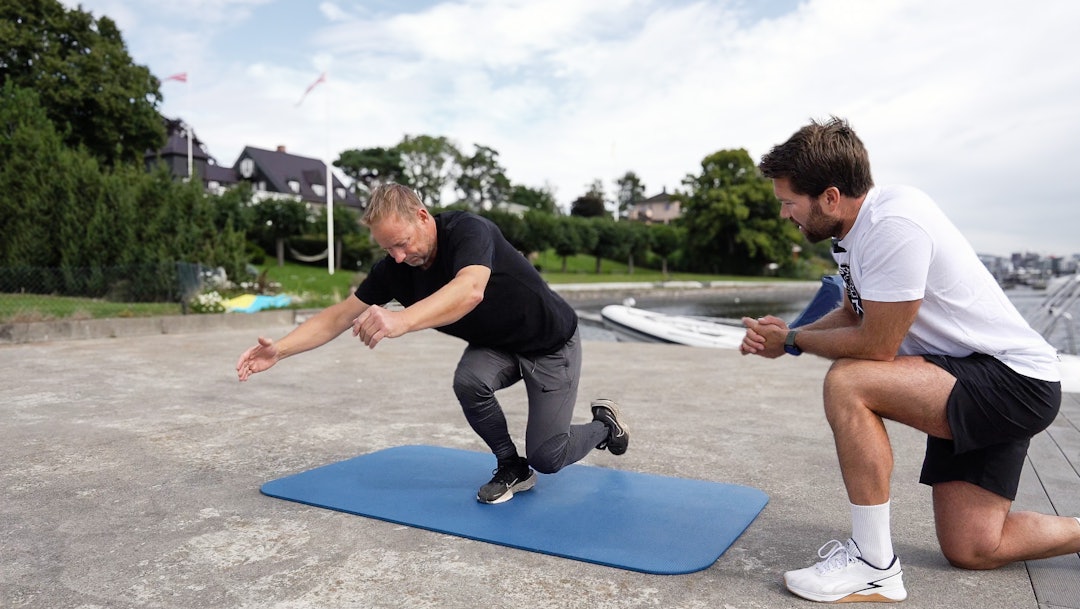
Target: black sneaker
(511, 476)
(607, 412)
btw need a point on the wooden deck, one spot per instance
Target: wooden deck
(1051, 484)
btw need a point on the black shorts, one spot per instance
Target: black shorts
(993, 412)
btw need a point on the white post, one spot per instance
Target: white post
(187, 96)
(330, 257)
(189, 169)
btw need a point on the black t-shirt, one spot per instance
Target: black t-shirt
(519, 313)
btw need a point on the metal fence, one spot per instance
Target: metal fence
(41, 293)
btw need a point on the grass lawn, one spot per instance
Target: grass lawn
(313, 287)
(38, 307)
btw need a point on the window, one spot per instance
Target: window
(294, 185)
(319, 190)
(340, 193)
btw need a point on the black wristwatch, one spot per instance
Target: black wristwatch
(789, 344)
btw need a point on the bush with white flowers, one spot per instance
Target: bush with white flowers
(208, 302)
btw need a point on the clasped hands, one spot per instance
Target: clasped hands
(764, 336)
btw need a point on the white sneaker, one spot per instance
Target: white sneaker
(844, 577)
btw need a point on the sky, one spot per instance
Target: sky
(977, 102)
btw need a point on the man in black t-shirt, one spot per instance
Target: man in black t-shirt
(456, 273)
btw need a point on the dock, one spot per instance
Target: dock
(132, 465)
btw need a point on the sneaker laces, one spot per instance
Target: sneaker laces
(506, 473)
(836, 556)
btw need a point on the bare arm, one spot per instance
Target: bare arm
(447, 305)
(840, 333)
(315, 332)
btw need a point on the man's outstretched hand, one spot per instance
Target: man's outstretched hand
(256, 359)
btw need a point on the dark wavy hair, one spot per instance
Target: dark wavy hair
(819, 156)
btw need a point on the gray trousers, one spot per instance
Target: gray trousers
(551, 383)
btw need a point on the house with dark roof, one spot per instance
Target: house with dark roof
(657, 209)
(174, 155)
(280, 174)
(271, 173)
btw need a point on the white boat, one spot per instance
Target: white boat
(638, 325)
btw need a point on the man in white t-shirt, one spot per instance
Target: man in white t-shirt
(927, 338)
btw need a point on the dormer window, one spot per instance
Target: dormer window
(318, 189)
(340, 193)
(294, 185)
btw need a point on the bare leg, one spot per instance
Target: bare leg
(859, 394)
(976, 530)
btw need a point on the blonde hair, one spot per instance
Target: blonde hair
(391, 199)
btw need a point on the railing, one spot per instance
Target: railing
(1061, 295)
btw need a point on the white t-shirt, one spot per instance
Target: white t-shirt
(901, 248)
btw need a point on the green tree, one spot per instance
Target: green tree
(665, 240)
(482, 181)
(540, 227)
(371, 167)
(430, 164)
(571, 235)
(630, 190)
(637, 238)
(732, 218)
(512, 227)
(31, 179)
(610, 241)
(278, 219)
(540, 199)
(346, 226)
(235, 207)
(590, 204)
(87, 82)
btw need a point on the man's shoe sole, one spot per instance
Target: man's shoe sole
(614, 408)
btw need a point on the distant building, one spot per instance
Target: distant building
(280, 174)
(174, 155)
(271, 173)
(657, 209)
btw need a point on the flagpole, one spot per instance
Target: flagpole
(187, 100)
(330, 257)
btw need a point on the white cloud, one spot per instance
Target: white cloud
(976, 102)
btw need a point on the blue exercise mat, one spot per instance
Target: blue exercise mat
(640, 522)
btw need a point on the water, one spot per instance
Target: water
(728, 307)
(732, 307)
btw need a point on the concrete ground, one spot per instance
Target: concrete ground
(132, 466)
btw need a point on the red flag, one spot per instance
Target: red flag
(180, 76)
(321, 78)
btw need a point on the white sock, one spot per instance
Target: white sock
(870, 531)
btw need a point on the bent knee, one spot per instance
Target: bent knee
(842, 375)
(971, 557)
(469, 387)
(551, 456)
